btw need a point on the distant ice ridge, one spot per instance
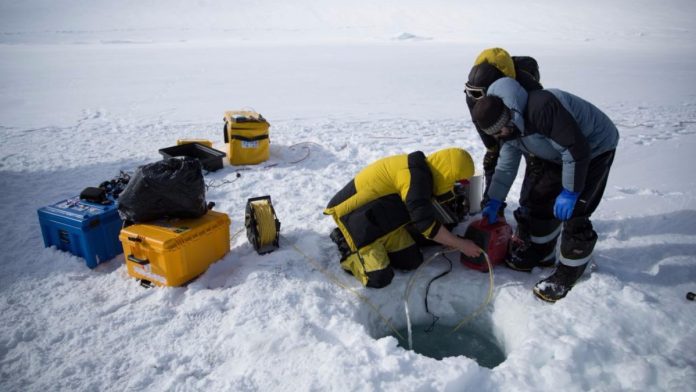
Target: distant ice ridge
(85, 21)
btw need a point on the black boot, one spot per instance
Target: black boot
(525, 256)
(340, 241)
(559, 283)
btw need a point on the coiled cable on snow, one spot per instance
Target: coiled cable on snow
(262, 225)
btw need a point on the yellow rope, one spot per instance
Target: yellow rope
(361, 297)
(485, 302)
(265, 224)
(409, 286)
(483, 305)
(240, 231)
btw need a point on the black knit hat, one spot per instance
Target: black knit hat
(490, 114)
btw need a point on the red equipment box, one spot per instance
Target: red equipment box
(492, 238)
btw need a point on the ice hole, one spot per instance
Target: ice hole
(474, 340)
(452, 299)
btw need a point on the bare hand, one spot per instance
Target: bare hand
(469, 248)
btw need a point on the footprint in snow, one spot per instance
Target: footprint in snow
(646, 192)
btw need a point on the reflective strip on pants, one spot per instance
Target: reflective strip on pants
(547, 238)
(575, 262)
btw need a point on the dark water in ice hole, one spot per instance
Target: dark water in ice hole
(470, 341)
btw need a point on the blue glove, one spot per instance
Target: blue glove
(565, 202)
(490, 211)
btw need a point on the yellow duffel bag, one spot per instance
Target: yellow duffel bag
(246, 133)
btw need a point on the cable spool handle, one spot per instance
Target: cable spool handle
(262, 224)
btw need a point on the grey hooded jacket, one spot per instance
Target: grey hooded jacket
(555, 126)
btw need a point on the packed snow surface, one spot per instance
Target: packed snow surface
(90, 88)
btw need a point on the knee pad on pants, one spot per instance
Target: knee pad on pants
(370, 265)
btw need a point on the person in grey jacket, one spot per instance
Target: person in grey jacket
(576, 143)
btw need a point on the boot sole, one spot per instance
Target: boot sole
(541, 296)
(516, 268)
(585, 275)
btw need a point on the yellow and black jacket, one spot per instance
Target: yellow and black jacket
(395, 191)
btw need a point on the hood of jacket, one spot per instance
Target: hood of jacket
(448, 166)
(514, 96)
(499, 58)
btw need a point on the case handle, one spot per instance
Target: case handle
(137, 260)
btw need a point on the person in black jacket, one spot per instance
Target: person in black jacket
(491, 65)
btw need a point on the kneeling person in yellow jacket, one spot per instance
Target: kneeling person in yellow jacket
(373, 210)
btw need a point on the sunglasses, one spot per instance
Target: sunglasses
(474, 93)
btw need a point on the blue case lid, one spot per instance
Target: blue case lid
(79, 212)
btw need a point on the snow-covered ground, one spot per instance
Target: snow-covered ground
(88, 88)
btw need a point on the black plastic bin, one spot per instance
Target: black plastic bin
(210, 158)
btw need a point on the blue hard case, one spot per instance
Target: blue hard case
(85, 229)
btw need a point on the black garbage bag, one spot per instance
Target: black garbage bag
(171, 188)
(116, 185)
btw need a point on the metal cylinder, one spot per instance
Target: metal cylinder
(475, 193)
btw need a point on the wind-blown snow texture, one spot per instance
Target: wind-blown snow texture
(88, 88)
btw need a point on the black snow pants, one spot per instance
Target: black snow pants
(536, 222)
